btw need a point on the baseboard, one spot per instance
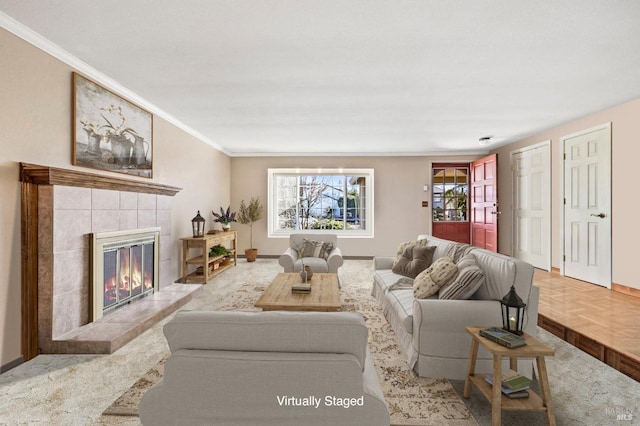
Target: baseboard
(625, 290)
(11, 364)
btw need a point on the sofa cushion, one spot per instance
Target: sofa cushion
(457, 251)
(386, 278)
(414, 260)
(500, 273)
(317, 264)
(401, 302)
(314, 248)
(403, 246)
(429, 281)
(320, 332)
(469, 278)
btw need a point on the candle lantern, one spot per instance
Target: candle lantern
(198, 225)
(512, 312)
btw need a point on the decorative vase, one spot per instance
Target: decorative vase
(309, 271)
(226, 227)
(121, 149)
(303, 276)
(139, 154)
(93, 144)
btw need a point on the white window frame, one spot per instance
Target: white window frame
(272, 216)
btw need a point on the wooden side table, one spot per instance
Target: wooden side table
(499, 402)
(202, 260)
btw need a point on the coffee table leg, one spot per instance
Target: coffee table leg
(496, 394)
(473, 355)
(545, 390)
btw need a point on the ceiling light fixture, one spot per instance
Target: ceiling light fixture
(485, 140)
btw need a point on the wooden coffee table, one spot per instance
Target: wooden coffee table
(324, 296)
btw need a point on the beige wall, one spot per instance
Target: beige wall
(398, 193)
(35, 118)
(625, 126)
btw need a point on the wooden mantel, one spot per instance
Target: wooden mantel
(44, 175)
(31, 177)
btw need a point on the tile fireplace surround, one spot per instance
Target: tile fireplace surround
(60, 210)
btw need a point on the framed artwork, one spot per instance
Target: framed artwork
(109, 132)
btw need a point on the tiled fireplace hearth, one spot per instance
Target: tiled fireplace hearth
(61, 211)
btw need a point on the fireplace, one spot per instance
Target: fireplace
(124, 268)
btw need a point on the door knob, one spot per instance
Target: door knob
(601, 215)
(496, 213)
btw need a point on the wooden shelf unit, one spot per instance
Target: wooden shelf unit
(206, 267)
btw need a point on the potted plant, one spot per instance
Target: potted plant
(225, 218)
(247, 215)
(219, 250)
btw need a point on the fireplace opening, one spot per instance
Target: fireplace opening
(125, 268)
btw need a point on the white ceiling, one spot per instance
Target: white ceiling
(347, 77)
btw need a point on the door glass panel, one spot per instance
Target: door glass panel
(450, 194)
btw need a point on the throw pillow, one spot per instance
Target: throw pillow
(429, 281)
(468, 280)
(313, 248)
(403, 246)
(458, 251)
(414, 260)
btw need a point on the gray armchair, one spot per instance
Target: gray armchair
(292, 262)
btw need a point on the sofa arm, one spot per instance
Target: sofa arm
(334, 260)
(383, 262)
(288, 259)
(439, 325)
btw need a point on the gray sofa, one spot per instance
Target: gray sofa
(257, 368)
(432, 331)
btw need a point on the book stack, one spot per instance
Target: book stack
(503, 337)
(514, 384)
(301, 288)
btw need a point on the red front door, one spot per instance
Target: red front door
(484, 203)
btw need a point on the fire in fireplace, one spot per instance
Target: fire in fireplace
(125, 268)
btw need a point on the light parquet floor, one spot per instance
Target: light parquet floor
(600, 321)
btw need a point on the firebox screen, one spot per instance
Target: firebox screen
(110, 277)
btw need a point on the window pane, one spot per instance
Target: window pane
(319, 202)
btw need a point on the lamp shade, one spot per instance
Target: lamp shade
(198, 225)
(512, 312)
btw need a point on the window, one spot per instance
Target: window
(319, 200)
(450, 193)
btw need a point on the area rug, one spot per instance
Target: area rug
(412, 400)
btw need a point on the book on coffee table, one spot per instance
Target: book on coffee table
(301, 288)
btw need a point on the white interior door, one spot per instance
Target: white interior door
(587, 205)
(531, 168)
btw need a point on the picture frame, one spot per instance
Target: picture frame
(110, 132)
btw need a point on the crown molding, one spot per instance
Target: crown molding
(361, 154)
(37, 40)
